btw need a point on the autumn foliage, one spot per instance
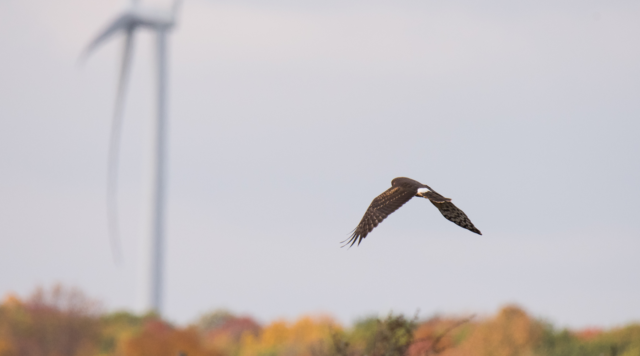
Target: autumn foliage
(511, 333)
(56, 322)
(161, 339)
(63, 321)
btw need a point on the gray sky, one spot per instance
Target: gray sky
(287, 119)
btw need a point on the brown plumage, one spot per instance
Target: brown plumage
(401, 191)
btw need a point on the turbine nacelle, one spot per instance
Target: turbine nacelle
(154, 15)
(136, 16)
(150, 17)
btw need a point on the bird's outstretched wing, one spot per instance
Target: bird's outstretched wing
(434, 197)
(381, 207)
(456, 216)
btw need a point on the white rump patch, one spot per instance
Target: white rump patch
(423, 190)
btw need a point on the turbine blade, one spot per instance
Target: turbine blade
(114, 143)
(122, 22)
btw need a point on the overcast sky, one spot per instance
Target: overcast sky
(287, 118)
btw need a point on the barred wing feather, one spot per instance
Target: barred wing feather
(381, 207)
(456, 216)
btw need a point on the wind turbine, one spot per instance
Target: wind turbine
(161, 21)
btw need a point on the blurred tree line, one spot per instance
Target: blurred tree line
(65, 322)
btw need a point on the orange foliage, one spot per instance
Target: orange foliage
(227, 336)
(510, 333)
(283, 338)
(234, 328)
(11, 300)
(160, 339)
(435, 336)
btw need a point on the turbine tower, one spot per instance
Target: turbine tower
(161, 21)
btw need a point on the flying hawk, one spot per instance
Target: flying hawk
(401, 191)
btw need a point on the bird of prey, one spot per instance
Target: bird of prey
(401, 191)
